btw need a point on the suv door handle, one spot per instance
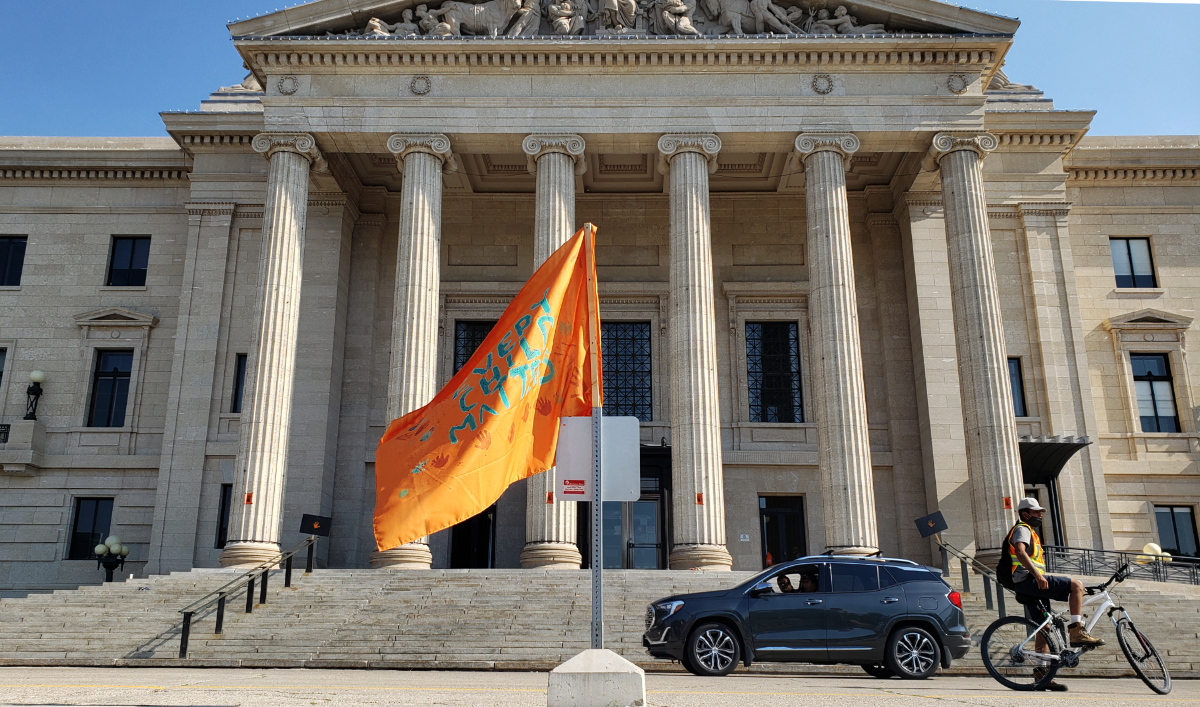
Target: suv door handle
(810, 602)
(888, 600)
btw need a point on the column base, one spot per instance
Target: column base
(856, 550)
(700, 557)
(413, 556)
(552, 556)
(248, 554)
(988, 556)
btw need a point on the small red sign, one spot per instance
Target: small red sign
(549, 497)
(699, 499)
(1007, 503)
(574, 487)
(249, 498)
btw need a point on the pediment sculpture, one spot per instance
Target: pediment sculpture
(525, 18)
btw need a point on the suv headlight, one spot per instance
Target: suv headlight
(669, 607)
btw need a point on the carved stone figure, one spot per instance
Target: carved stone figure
(528, 19)
(674, 17)
(616, 15)
(848, 24)
(377, 28)
(428, 19)
(490, 18)
(406, 27)
(731, 16)
(566, 17)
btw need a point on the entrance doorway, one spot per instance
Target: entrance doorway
(473, 542)
(635, 533)
(781, 520)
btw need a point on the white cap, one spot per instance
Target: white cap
(1029, 504)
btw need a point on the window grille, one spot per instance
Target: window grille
(773, 372)
(469, 336)
(628, 379)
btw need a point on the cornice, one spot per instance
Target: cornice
(215, 142)
(1116, 174)
(112, 175)
(312, 55)
(1038, 142)
(213, 208)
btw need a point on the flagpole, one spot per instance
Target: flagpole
(589, 249)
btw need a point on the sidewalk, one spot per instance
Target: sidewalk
(172, 686)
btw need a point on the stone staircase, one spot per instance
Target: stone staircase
(447, 619)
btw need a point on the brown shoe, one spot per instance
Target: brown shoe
(1081, 639)
(1052, 686)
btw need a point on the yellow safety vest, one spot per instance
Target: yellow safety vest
(1036, 556)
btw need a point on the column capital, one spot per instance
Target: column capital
(568, 144)
(301, 143)
(981, 143)
(672, 144)
(810, 143)
(404, 144)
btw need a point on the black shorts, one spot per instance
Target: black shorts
(1059, 589)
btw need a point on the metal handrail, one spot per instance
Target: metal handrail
(967, 563)
(1087, 561)
(218, 595)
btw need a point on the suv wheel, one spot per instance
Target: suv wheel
(879, 670)
(712, 650)
(912, 653)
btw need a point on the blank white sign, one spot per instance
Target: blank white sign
(620, 459)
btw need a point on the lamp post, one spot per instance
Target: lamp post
(111, 555)
(33, 393)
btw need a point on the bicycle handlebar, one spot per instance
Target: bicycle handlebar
(1119, 576)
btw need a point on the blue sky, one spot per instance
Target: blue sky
(71, 67)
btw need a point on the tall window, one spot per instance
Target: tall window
(773, 371)
(239, 383)
(1132, 262)
(1018, 387)
(110, 388)
(128, 261)
(223, 516)
(93, 516)
(1155, 392)
(468, 336)
(12, 259)
(1176, 529)
(626, 363)
(3, 357)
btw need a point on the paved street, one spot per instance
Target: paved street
(168, 686)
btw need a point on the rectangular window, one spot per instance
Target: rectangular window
(468, 336)
(626, 363)
(1132, 262)
(3, 357)
(773, 371)
(239, 383)
(781, 521)
(223, 515)
(128, 261)
(93, 516)
(850, 577)
(1018, 387)
(1177, 530)
(12, 259)
(1155, 392)
(110, 388)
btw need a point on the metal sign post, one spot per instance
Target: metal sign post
(589, 235)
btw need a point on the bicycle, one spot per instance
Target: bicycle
(1024, 655)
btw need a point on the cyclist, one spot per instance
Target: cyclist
(1024, 549)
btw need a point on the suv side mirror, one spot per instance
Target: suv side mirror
(762, 588)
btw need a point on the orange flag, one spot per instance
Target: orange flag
(497, 420)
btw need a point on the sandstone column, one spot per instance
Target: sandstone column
(843, 446)
(993, 459)
(555, 159)
(254, 523)
(412, 381)
(698, 498)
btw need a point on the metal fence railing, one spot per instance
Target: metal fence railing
(1086, 561)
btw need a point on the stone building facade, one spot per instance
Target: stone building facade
(850, 274)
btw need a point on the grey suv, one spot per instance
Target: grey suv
(892, 617)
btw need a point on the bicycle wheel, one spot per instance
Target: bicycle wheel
(1142, 656)
(1010, 649)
